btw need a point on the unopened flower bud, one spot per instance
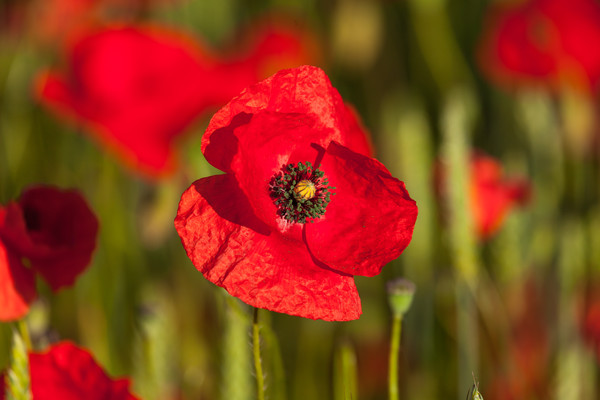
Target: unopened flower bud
(400, 295)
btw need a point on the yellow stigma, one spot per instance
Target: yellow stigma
(305, 189)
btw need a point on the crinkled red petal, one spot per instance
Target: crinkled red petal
(17, 286)
(264, 149)
(235, 250)
(304, 93)
(67, 372)
(370, 219)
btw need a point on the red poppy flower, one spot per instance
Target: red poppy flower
(137, 88)
(68, 372)
(301, 207)
(49, 232)
(543, 41)
(492, 195)
(589, 317)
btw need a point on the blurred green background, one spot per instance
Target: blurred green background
(506, 310)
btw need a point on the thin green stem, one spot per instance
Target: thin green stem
(345, 381)
(24, 331)
(260, 382)
(394, 352)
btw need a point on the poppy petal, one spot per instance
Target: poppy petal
(67, 372)
(303, 93)
(138, 105)
(17, 286)
(370, 219)
(236, 251)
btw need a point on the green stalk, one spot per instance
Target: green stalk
(237, 383)
(574, 374)
(260, 381)
(24, 331)
(463, 246)
(394, 353)
(438, 44)
(18, 385)
(345, 386)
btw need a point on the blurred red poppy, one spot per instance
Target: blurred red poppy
(137, 88)
(68, 372)
(545, 42)
(49, 232)
(590, 318)
(491, 194)
(271, 230)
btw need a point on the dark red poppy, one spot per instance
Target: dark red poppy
(49, 232)
(301, 207)
(68, 372)
(547, 42)
(137, 88)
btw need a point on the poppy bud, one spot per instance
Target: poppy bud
(400, 295)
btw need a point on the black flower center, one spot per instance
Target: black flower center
(300, 192)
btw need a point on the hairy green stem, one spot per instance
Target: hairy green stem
(394, 353)
(24, 332)
(260, 382)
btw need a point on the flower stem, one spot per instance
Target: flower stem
(345, 381)
(237, 383)
(260, 382)
(394, 352)
(24, 332)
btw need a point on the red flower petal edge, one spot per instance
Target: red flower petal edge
(297, 260)
(68, 372)
(55, 231)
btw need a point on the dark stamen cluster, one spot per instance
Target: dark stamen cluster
(292, 206)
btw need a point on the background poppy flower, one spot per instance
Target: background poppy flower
(265, 240)
(492, 195)
(48, 231)
(543, 41)
(137, 88)
(68, 372)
